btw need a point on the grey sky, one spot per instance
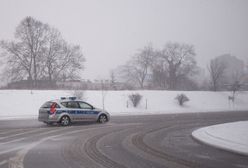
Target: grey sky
(111, 31)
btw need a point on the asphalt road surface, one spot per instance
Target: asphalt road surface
(157, 141)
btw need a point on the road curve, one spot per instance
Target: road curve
(125, 142)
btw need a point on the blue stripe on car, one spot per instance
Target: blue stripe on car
(77, 112)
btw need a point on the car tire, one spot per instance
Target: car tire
(102, 119)
(65, 120)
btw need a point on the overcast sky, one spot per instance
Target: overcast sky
(111, 31)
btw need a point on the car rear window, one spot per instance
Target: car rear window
(49, 104)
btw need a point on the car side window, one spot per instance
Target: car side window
(72, 104)
(84, 105)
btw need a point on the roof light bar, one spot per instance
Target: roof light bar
(72, 98)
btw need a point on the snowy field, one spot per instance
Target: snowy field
(228, 136)
(25, 104)
(17, 104)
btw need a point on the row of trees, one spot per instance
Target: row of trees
(174, 68)
(40, 53)
(169, 68)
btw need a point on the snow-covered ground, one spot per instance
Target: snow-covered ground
(24, 104)
(16, 104)
(228, 136)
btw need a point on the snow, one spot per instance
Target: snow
(229, 136)
(16, 104)
(25, 104)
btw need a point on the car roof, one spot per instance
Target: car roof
(65, 100)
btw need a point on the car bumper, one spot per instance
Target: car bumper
(48, 118)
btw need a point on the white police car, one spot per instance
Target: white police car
(68, 110)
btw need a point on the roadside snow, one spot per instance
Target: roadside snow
(229, 136)
(25, 104)
(16, 104)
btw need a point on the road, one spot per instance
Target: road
(152, 141)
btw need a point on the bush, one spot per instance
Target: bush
(135, 99)
(182, 98)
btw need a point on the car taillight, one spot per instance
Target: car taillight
(53, 108)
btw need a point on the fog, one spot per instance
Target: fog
(111, 31)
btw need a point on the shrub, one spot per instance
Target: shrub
(135, 99)
(182, 98)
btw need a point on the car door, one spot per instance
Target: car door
(89, 113)
(74, 110)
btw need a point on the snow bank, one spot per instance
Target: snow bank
(228, 136)
(25, 104)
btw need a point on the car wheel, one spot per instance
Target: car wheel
(102, 118)
(65, 121)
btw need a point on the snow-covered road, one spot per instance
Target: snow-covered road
(126, 141)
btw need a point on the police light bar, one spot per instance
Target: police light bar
(72, 98)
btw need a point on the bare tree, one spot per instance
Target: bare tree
(32, 35)
(159, 72)
(19, 63)
(61, 59)
(137, 69)
(39, 52)
(24, 54)
(52, 52)
(216, 70)
(162, 68)
(178, 60)
(71, 62)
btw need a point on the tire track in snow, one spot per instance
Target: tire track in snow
(17, 160)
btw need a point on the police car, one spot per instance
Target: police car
(68, 110)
